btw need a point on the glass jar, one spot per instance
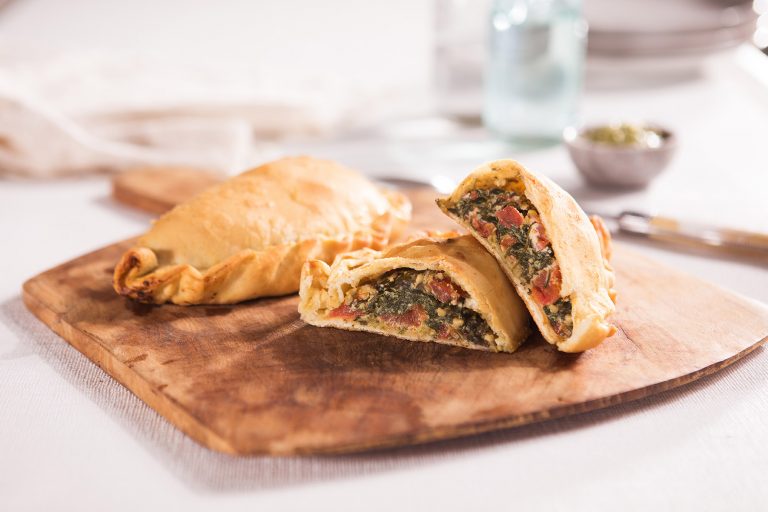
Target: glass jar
(535, 69)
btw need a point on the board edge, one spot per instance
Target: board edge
(107, 362)
(462, 430)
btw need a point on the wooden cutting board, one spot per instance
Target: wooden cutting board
(253, 378)
(158, 189)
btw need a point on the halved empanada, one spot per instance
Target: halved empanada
(442, 289)
(546, 245)
(249, 236)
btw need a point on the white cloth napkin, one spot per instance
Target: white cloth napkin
(70, 114)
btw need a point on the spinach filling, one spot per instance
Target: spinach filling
(484, 204)
(559, 316)
(413, 298)
(511, 222)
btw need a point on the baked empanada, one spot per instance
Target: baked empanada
(556, 258)
(442, 289)
(249, 236)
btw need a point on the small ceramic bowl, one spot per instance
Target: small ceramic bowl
(626, 165)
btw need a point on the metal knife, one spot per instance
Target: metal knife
(667, 229)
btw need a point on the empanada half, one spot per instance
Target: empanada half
(547, 246)
(442, 289)
(249, 236)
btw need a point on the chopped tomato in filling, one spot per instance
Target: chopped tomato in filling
(506, 242)
(444, 290)
(344, 311)
(413, 317)
(509, 220)
(482, 227)
(546, 285)
(447, 332)
(417, 300)
(509, 216)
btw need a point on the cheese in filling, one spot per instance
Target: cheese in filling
(508, 220)
(419, 303)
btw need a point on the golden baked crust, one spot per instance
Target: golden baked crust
(580, 251)
(461, 258)
(249, 236)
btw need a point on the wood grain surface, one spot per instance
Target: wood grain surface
(158, 189)
(254, 379)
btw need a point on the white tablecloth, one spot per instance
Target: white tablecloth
(73, 439)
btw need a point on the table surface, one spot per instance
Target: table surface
(72, 438)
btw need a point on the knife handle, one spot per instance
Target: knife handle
(671, 230)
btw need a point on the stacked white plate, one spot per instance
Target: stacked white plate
(651, 40)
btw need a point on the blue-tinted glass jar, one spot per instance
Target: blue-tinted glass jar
(535, 69)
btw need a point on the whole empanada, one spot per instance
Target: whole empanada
(442, 289)
(249, 236)
(556, 258)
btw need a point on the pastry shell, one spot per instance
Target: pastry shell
(462, 258)
(249, 236)
(581, 249)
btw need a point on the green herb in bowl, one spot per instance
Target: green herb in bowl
(626, 134)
